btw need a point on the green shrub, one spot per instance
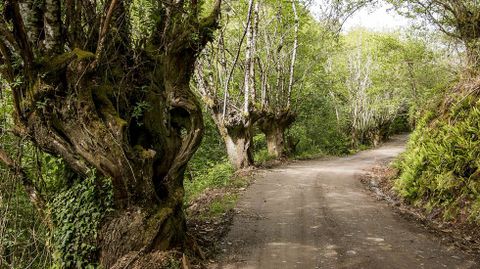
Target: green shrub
(441, 167)
(262, 156)
(399, 125)
(259, 141)
(222, 205)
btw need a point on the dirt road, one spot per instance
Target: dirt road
(316, 214)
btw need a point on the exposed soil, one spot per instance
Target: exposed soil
(206, 231)
(317, 214)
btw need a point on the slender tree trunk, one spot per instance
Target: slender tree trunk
(355, 140)
(294, 55)
(376, 137)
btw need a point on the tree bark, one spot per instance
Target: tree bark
(275, 141)
(83, 106)
(239, 148)
(274, 125)
(237, 133)
(145, 161)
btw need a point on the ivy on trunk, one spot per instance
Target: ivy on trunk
(88, 92)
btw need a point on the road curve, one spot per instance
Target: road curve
(316, 214)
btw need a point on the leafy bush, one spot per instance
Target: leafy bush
(211, 151)
(399, 125)
(222, 205)
(259, 141)
(318, 130)
(261, 154)
(441, 167)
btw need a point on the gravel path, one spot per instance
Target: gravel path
(317, 214)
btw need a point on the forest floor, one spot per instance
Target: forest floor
(317, 214)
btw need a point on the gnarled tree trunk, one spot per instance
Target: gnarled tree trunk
(274, 125)
(237, 133)
(131, 116)
(145, 158)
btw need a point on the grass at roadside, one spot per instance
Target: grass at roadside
(221, 205)
(217, 176)
(214, 191)
(210, 197)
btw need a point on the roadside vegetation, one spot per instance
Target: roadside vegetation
(122, 121)
(440, 170)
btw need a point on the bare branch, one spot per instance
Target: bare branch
(53, 26)
(294, 55)
(7, 71)
(12, 11)
(8, 36)
(104, 30)
(249, 78)
(230, 74)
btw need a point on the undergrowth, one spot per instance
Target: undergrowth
(441, 168)
(216, 176)
(221, 205)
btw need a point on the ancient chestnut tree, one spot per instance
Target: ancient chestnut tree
(106, 94)
(277, 76)
(228, 90)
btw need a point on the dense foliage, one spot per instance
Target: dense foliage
(365, 87)
(441, 169)
(77, 213)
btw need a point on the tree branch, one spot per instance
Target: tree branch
(7, 71)
(104, 30)
(53, 26)
(230, 74)
(8, 36)
(12, 12)
(212, 19)
(294, 55)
